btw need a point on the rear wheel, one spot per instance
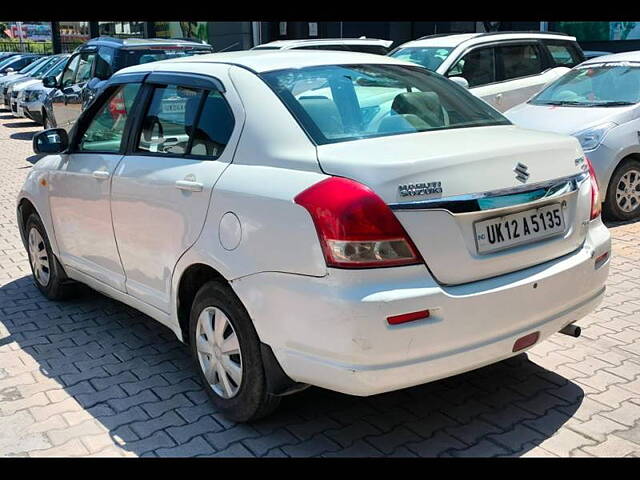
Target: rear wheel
(623, 193)
(226, 350)
(48, 274)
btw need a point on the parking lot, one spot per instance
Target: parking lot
(93, 377)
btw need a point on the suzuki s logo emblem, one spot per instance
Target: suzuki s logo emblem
(521, 172)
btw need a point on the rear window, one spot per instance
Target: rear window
(143, 55)
(564, 54)
(338, 103)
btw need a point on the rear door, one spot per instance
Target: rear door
(186, 135)
(520, 66)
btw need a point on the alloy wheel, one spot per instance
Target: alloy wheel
(219, 352)
(39, 257)
(628, 191)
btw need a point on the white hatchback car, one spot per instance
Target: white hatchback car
(336, 219)
(503, 68)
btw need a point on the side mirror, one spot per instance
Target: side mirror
(54, 140)
(9, 70)
(50, 82)
(460, 81)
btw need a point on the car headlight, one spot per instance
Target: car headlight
(592, 137)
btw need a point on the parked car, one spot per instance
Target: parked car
(589, 54)
(362, 44)
(502, 68)
(338, 219)
(598, 103)
(12, 64)
(52, 67)
(39, 66)
(5, 55)
(7, 79)
(94, 62)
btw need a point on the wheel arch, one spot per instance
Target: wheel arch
(191, 280)
(619, 163)
(25, 209)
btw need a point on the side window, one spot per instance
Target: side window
(169, 120)
(69, 73)
(85, 67)
(184, 120)
(105, 130)
(563, 54)
(214, 127)
(520, 61)
(477, 67)
(104, 60)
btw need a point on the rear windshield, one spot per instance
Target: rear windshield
(600, 85)
(338, 103)
(428, 57)
(143, 55)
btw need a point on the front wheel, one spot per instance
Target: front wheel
(226, 350)
(623, 193)
(48, 274)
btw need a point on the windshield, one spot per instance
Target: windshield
(31, 66)
(594, 85)
(340, 103)
(428, 57)
(42, 68)
(56, 69)
(143, 55)
(7, 61)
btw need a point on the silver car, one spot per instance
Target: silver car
(598, 103)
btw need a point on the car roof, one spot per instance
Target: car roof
(268, 60)
(323, 41)
(141, 42)
(453, 40)
(615, 57)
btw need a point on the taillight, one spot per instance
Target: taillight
(117, 106)
(356, 228)
(596, 206)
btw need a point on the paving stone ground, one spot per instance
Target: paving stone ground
(93, 377)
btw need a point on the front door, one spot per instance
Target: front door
(67, 100)
(162, 188)
(80, 190)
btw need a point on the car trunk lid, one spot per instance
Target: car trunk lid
(442, 183)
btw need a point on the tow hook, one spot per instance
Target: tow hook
(571, 330)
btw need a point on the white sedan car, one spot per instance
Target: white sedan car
(344, 220)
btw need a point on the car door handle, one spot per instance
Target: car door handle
(101, 174)
(189, 186)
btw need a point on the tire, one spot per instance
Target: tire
(48, 274)
(623, 193)
(46, 123)
(244, 398)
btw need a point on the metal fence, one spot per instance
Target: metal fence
(37, 47)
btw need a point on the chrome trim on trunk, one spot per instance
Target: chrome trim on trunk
(524, 195)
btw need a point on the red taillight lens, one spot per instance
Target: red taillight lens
(116, 106)
(596, 206)
(356, 228)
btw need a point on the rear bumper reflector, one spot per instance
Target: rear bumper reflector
(408, 317)
(526, 341)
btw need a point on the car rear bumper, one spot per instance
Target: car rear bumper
(332, 331)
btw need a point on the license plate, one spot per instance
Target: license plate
(518, 228)
(177, 107)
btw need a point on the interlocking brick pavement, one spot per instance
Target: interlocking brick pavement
(93, 377)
